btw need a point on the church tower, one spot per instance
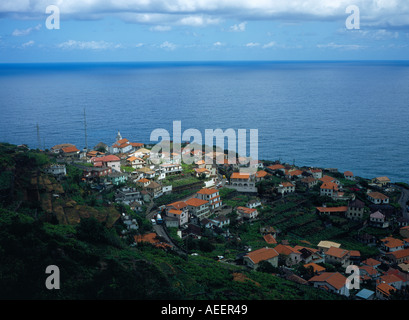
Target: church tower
(118, 136)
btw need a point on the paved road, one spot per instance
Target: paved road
(404, 198)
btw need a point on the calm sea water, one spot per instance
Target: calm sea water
(348, 115)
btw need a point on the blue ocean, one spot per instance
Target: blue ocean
(346, 115)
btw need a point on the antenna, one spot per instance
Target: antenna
(85, 129)
(38, 137)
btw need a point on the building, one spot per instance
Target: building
(182, 216)
(339, 211)
(356, 209)
(349, 175)
(381, 181)
(337, 256)
(55, 169)
(253, 259)
(291, 256)
(198, 207)
(377, 219)
(154, 189)
(212, 196)
(316, 173)
(107, 161)
(285, 187)
(309, 182)
(136, 162)
(247, 213)
(127, 195)
(398, 256)
(390, 244)
(325, 245)
(384, 290)
(329, 189)
(332, 282)
(377, 197)
(243, 182)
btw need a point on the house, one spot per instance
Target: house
(327, 178)
(377, 219)
(276, 167)
(384, 290)
(309, 182)
(365, 294)
(94, 172)
(329, 189)
(398, 256)
(182, 216)
(254, 203)
(247, 213)
(221, 221)
(368, 273)
(70, 151)
(391, 279)
(285, 187)
(111, 161)
(212, 196)
(199, 172)
(325, 245)
(404, 232)
(198, 207)
(337, 256)
(294, 173)
(269, 238)
(349, 175)
(332, 282)
(243, 182)
(55, 169)
(309, 255)
(356, 209)
(117, 177)
(143, 182)
(381, 181)
(127, 195)
(170, 168)
(260, 175)
(136, 162)
(253, 258)
(147, 172)
(121, 145)
(372, 262)
(390, 244)
(154, 189)
(315, 268)
(316, 173)
(58, 148)
(377, 197)
(339, 211)
(291, 255)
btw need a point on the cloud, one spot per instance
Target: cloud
(333, 45)
(28, 44)
(160, 28)
(25, 32)
(218, 44)
(379, 13)
(88, 45)
(269, 45)
(167, 46)
(252, 44)
(238, 27)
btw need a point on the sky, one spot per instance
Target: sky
(202, 30)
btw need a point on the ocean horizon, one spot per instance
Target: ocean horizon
(350, 115)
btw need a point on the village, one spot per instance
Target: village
(301, 223)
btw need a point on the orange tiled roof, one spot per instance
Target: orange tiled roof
(246, 210)
(335, 279)
(391, 242)
(287, 184)
(70, 149)
(262, 254)
(377, 195)
(269, 239)
(238, 175)
(207, 191)
(315, 267)
(178, 205)
(329, 185)
(332, 209)
(286, 250)
(336, 252)
(195, 202)
(276, 167)
(261, 174)
(327, 179)
(385, 288)
(348, 174)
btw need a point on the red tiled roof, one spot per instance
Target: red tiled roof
(238, 175)
(195, 202)
(207, 191)
(262, 254)
(332, 209)
(70, 149)
(335, 279)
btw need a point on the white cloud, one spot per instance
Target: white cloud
(167, 45)
(88, 45)
(384, 13)
(160, 28)
(28, 44)
(238, 27)
(218, 44)
(333, 45)
(252, 44)
(269, 45)
(25, 32)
